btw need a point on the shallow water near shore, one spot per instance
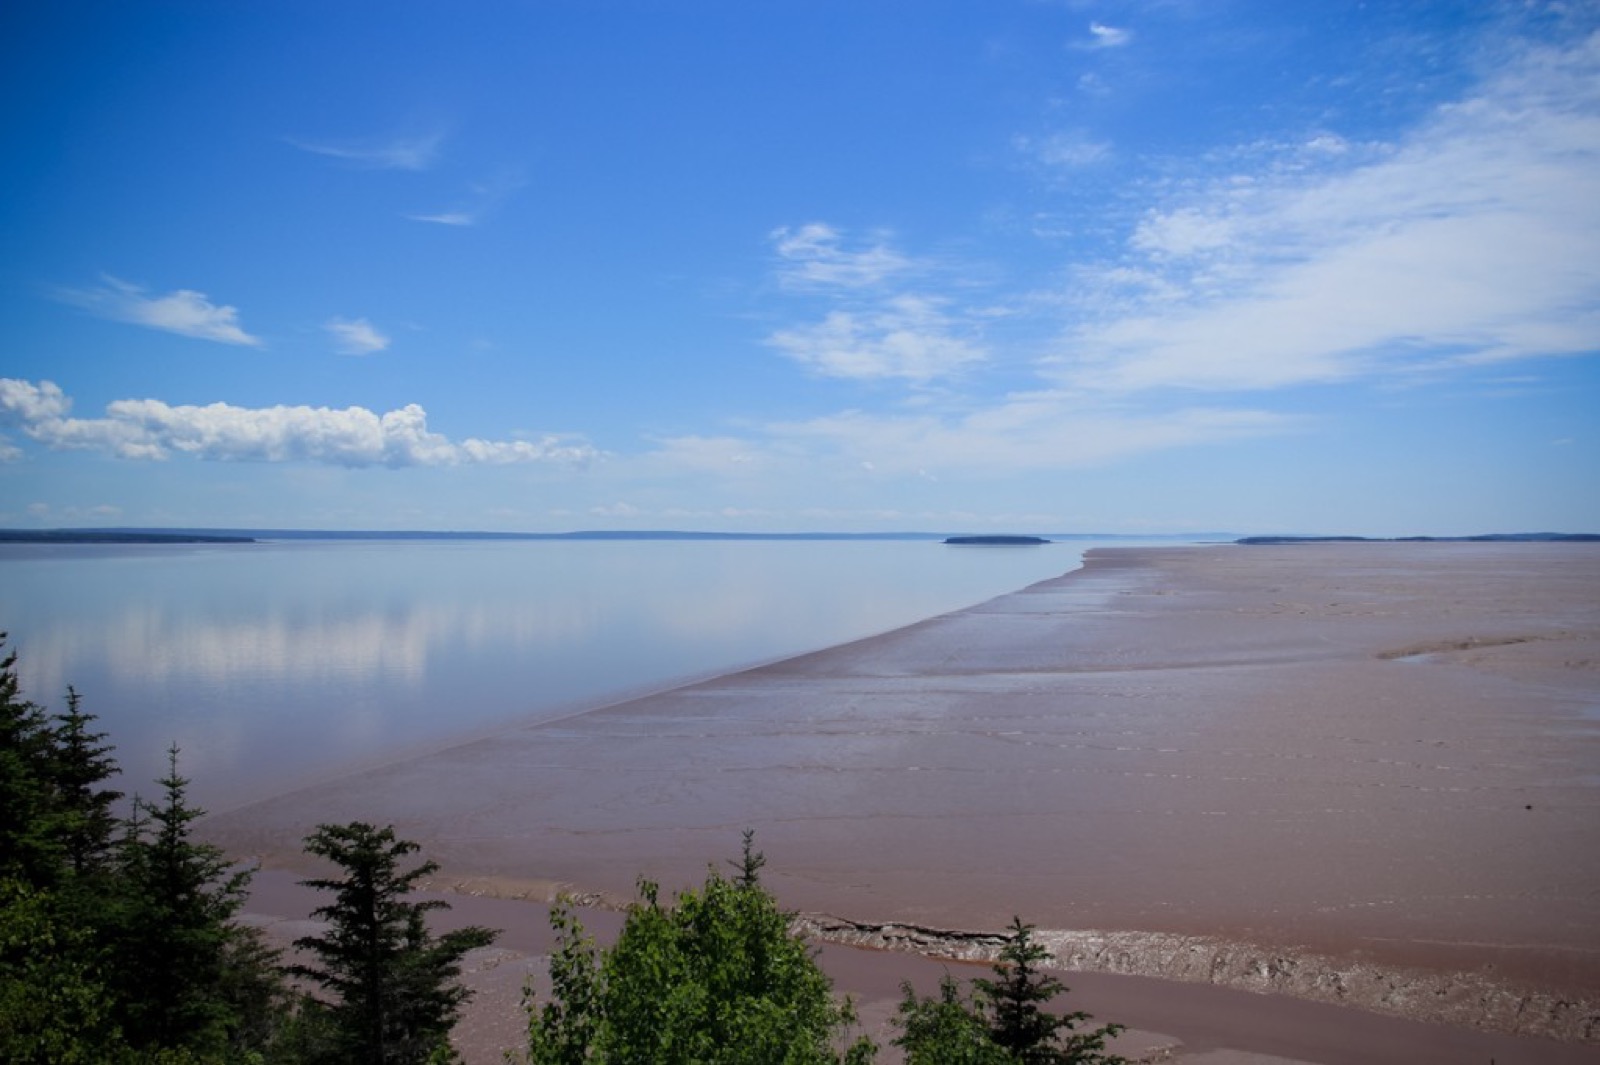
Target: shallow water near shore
(274, 663)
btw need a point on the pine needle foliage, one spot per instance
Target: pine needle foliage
(1003, 1019)
(393, 985)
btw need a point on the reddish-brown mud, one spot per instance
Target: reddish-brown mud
(1361, 773)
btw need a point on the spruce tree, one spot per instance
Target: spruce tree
(30, 847)
(115, 949)
(82, 762)
(1007, 1013)
(394, 985)
(178, 958)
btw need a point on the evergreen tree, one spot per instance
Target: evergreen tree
(183, 972)
(394, 985)
(30, 847)
(751, 861)
(1008, 1011)
(82, 763)
(114, 952)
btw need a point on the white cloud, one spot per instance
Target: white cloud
(482, 199)
(23, 402)
(717, 454)
(354, 436)
(904, 337)
(447, 218)
(1026, 432)
(1069, 151)
(876, 329)
(185, 311)
(356, 336)
(813, 256)
(1476, 238)
(1103, 36)
(1016, 435)
(397, 153)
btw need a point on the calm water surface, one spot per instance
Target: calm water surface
(271, 664)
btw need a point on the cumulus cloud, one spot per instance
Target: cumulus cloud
(905, 337)
(356, 336)
(814, 256)
(395, 153)
(24, 403)
(1474, 239)
(185, 311)
(149, 429)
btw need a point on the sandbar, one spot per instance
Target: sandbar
(1361, 774)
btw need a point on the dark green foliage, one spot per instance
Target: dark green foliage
(393, 985)
(716, 979)
(54, 1007)
(1006, 1013)
(750, 861)
(82, 763)
(30, 846)
(114, 950)
(946, 1030)
(184, 975)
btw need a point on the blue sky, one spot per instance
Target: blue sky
(1136, 267)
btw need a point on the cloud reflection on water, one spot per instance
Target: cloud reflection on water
(267, 663)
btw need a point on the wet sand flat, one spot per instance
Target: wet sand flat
(1366, 773)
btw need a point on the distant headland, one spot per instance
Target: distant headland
(115, 536)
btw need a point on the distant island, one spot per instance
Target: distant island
(1487, 538)
(996, 541)
(114, 536)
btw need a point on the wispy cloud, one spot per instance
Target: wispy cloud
(875, 328)
(148, 429)
(393, 153)
(1104, 36)
(480, 201)
(356, 336)
(1476, 238)
(615, 510)
(1473, 238)
(1064, 150)
(905, 336)
(1014, 435)
(186, 312)
(1026, 432)
(815, 256)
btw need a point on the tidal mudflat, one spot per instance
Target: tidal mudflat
(1365, 774)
